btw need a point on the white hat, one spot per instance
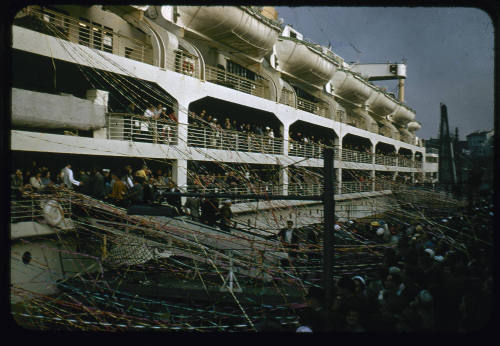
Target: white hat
(357, 277)
(336, 227)
(425, 296)
(267, 128)
(350, 222)
(439, 258)
(394, 270)
(380, 231)
(227, 201)
(105, 170)
(304, 329)
(430, 252)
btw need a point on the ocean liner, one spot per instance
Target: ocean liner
(242, 94)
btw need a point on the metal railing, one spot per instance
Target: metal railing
(287, 97)
(356, 186)
(312, 107)
(404, 162)
(233, 81)
(215, 138)
(30, 206)
(184, 62)
(90, 34)
(356, 156)
(306, 189)
(311, 150)
(385, 160)
(137, 128)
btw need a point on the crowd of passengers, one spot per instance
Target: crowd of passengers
(425, 283)
(141, 186)
(155, 124)
(164, 131)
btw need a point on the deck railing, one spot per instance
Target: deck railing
(30, 207)
(215, 138)
(404, 162)
(137, 128)
(385, 160)
(356, 186)
(356, 156)
(233, 81)
(90, 34)
(287, 97)
(318, 108)
(183, 62)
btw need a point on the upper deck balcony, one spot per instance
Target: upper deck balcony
(137, 128)
(105, 39)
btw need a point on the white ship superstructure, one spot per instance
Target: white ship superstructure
(246, 64)
(76, 68)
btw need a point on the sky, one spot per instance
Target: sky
(449, 54)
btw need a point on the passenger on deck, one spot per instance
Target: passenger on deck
(136, 194)
(209, 210)
(67, 177)
(174, 200)
(290, 241)
(192, 206)
(46, 181)
(36, 182)
(96, 184)
(119, 191)
(225, 215)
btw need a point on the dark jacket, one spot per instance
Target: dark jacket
(136, 194)
(96, 185)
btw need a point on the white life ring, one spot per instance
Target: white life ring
(53, 213)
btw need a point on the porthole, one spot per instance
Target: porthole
(27, 257)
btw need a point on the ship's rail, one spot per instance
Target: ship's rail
(214, 138)
(385, 160)
(309, 150)
(30, 206)
(90, 34)
(405, 162)
(356, 186)
(137, 128)
(287, 97)
(233, 81)
(318, 108)
(356, 156)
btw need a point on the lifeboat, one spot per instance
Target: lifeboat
(304, 61)
(238, 27)
(346, 85)
(414, 126)
(403, 115)
(382, 105)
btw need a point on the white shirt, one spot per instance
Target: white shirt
(288, 236)
(35, 183)
(68, 177)
(129, 182)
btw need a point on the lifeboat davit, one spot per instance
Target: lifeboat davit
(405, 135)
(304, 61)
(348, 86)
(238, 27)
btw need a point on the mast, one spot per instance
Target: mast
(447, 171)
